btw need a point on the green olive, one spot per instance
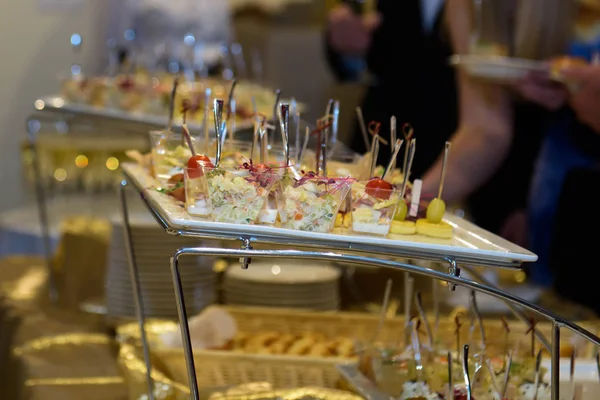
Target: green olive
(401, 211)
(436, 211)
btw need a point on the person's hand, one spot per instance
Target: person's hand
(584, 96)
(350, 33)
(514, 228)
(537, 87)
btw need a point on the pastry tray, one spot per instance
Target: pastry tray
(471, 244)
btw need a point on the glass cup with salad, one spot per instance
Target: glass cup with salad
(374, 204)
(312, 202)
(238, 196)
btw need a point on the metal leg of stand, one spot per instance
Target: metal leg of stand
(477, 277)
(40, 197)
(183, 322)
(137, 293)
(555, 362)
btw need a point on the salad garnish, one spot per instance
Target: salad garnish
(262, 173)
(310, 176)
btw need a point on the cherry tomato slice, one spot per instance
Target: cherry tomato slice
(195, 164)
(379, 189)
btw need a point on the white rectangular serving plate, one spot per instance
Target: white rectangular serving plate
(585, 377)
(497, 68)
(471, 244)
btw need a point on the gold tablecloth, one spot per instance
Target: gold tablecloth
(42, 344)
(54, 362)
(101, 388)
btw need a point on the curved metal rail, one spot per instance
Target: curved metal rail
(451, 277)
(246, 253)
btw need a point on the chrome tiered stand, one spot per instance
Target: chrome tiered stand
(353, 253)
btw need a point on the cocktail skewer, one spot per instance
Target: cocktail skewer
(538, 367)
(390, 166)
(416, 347)
(477, 315)
(232, 123)
(384, 307)
(207, 95)
(437, 208)
(363, 127)
(531, 330)
(497, 389)
(255, 135)
(410, 155)
(230, 98)
(324, 138)
(374, 155)
(508, 365)
(458, 325)
(423, 316)
(172, 106)
(276, 105)
(264, 143)
(231, 111)
(408, 137)
(296, 118)
(506, 333)
(304, 146)
(443, 173)
(408, 294)
(187, 137)
(393, 138)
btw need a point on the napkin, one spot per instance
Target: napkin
(213, 328)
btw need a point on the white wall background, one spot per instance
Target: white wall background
(34, 50)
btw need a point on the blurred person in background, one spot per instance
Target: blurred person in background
(405, 47)
(543, 30)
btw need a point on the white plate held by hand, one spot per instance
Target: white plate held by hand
(496, 68)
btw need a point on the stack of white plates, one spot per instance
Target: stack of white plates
(281, 284)
(153, 249)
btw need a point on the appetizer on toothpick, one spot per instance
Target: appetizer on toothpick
(400, 226)
(312, 202)
(196, 191)
(433, 225)
(374, 202)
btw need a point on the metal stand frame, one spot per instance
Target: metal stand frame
(452, 277)
(246, 253)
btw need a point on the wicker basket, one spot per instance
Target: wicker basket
(219, 368)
